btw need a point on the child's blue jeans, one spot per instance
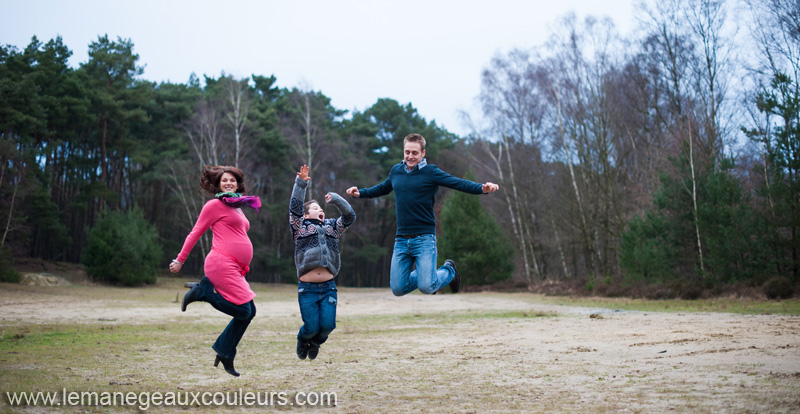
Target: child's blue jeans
(318, 309)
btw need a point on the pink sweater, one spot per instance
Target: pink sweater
(231, 250)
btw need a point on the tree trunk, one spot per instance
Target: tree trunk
(309, 153)
(515, 220)
(585, 231)
(10, 211)
(694, 201)
(104, 161)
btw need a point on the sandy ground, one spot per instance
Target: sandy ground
(540, 358)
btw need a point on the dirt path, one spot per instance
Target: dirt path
(483, 352)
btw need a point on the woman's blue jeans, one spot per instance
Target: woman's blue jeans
(419, 251)
(318, 309)
(228, 340)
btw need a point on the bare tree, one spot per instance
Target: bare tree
(713, 71)
(510, 99)
(306, 128)
(238, 109)
(212, 142)
(204, 132)
(579, 84)
(695, 212)
(776, 30)
(190, 202)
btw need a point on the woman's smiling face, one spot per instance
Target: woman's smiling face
(228, 183)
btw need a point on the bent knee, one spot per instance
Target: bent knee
(247, 314)
(426, 290)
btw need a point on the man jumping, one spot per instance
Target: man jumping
(415, 183)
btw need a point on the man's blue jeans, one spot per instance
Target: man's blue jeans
(419, 251)
(228, 340)
(318, 309)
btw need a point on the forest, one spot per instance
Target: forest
(670, 156)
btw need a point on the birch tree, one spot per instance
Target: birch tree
(510, 99)
(579, 75)
(237, 98)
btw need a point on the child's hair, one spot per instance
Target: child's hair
(308, 204)
(212, 175)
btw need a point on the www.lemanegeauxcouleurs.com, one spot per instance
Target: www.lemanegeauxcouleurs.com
(145, 400)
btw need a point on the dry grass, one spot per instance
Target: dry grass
(477, 352)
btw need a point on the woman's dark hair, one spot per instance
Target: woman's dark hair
(212, 175)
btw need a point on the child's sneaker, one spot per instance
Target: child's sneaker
(313, 350)
(302, 350)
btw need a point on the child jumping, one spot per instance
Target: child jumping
(316, 255)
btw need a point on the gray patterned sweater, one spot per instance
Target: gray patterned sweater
(316, 243)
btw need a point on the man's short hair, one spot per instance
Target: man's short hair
(415, 138)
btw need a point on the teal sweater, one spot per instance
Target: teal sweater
(415, 195)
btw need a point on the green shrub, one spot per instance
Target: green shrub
(123, 249)
(7, 272)
(778, 287)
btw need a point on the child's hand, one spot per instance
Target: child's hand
(303, 174)
(328, 198)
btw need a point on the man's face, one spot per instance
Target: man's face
(315, 212)
(413, 154)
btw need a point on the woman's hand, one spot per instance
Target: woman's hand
(353, 191)
(303, 174)
(175, 266)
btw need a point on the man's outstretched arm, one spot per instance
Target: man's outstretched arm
(460, 184)
(375, 191)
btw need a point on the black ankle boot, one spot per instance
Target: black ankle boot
(193, 295)
(313, 350)
(455, 285)
(227, 364)
(302, 349)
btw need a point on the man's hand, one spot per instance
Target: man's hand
(328, 198)
(490, 187)
(353, 191)
(303, 174)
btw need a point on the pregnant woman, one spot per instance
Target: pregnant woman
(224, 285)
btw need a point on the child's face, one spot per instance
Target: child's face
(315, 212)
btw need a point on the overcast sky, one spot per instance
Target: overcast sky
(426, 52)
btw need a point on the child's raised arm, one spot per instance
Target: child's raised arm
(348, 215)
(298, 198)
